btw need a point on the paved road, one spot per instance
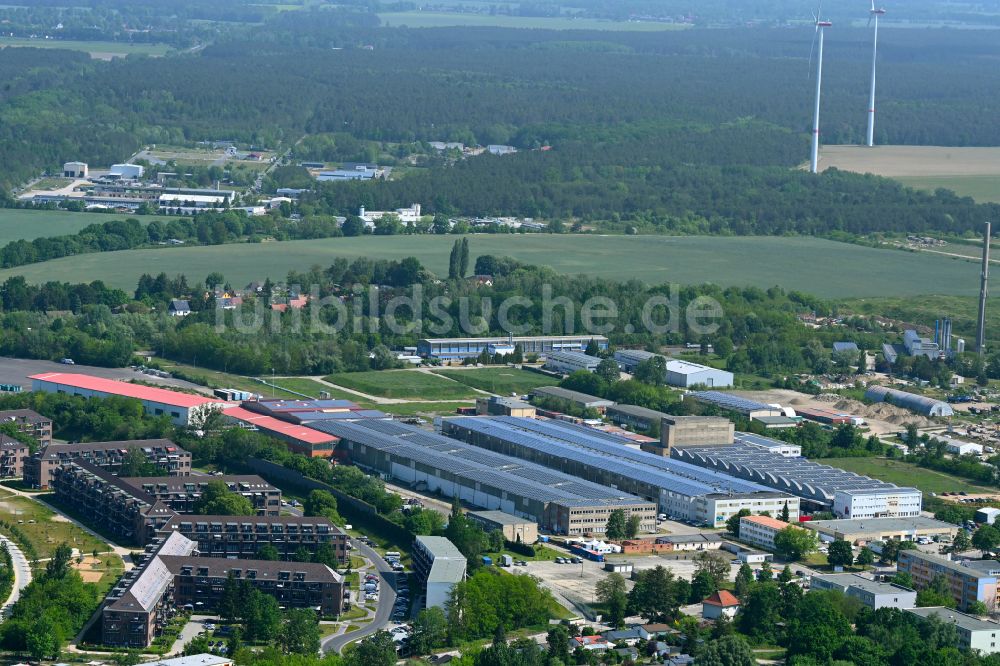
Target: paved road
(22, 574)
(386, 600)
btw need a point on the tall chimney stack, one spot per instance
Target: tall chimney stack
(981, 330)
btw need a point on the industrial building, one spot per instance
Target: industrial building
(973, 633)
(171, 459)
(871, 593)
(861, 532)
(574, 398)
(299, 438)
(568, 362)
(241, 537)
(692, 431)
(558, 502)
(181, 408)
(304, 412)
(825, 488)
(828, 416)
(734, 403)
(438, 566)
(460, 348)
(497, 405)
(515, 529)
(75, 170)
(641, 419)
(684, 374)
(678, 489)
(968, 580)
(911, 401)
(126, 171)
(30, 423)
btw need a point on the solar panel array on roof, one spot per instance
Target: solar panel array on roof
(606, 452)
(728, 400)
(476, 465)
(797, 476)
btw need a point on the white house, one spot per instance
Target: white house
(720, 603)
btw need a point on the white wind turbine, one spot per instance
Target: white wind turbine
(821, 27)
(873, 15)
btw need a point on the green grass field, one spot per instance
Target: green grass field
(424, 409)
(18, 224)
(502, 381)
(96, 49)
(406, 384)
(906, 474)
(824, 268)
(421, 19)
(980, 188)
(44, 528)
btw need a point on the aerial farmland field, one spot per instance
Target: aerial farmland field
(18, 224)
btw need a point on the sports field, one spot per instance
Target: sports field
(97, 50)
(17, 224)
(824, 268)
(426, 19)
(906, 474)
(502, 381)
(407, 384)
(973, 172)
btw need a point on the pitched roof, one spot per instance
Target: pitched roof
(723, 598)
(766, 521)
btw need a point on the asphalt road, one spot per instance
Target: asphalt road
(17, 370)
(386, 600)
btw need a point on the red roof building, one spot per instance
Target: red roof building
(718, 604)
(300, 439)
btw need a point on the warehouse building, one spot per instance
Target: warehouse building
(911, 401)
(182, 408)
(498, 405)
(515, 529)
(871, 593)
(861, 532)
(558, 502)
(692, 431)
(171, 459)
(680, 490)
(574, 398)
(298, 438)
(242, 536)
(568, 362)
(684, 374)
(824, 488)
(640, 419)
(438, 566)
(304, 412)
(459, 348)
(734, 403)
(973, 633)
(968, 580)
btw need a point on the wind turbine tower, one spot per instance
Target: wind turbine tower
(873, 16)
(821, 26)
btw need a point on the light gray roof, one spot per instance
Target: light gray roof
(917, 403)
(967, 622)
(638, 412)
(860, 582)
(448, 565)
(572, 396)
(500, 517)
(191, 660)
(879, 525)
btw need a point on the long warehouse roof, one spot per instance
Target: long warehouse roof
(797, 475)
(609, 452)
(478, 465)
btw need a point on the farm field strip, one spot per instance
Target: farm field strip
(906, 474)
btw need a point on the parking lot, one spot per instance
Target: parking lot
(16, 371)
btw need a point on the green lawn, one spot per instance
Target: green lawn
(217, 379)
(502, 381)
(17, 224)
(422, 19)
(44, 528)
(981, 188)
(407, 384)
(906, 474)
(96, 49)
(305, 385)
(429, 409)
(825, 268)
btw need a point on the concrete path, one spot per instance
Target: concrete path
(22, 574)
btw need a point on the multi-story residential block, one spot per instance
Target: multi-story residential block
(973, 633)
(438, 565)
(199, 582)
(242, 537)
(761, 530)
(12, 456)
(182, 493)
(110, 456)
(30, 423)
(104, 499)
(968, 580)
(871, 593)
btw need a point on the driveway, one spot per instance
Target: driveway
(386, 600)
(188, 632)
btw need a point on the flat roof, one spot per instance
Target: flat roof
(978, 568)
(442, 547)
(635, 410)
(766, 521)
(138, 391)
(573, 396)
(501, 518)
(191, 660)
(522, 338)
(283, 428)
(879, 525)
(862, 583)
(967, 622)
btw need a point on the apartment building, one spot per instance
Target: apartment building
(871, 593)
(199, 582)
(30, 423)
(968, 580)
(438, 565)
(104, 499)
(12, 456)
(110, 456)
(761, 530)
(182, 493)
(972, 633)
(239, 537)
